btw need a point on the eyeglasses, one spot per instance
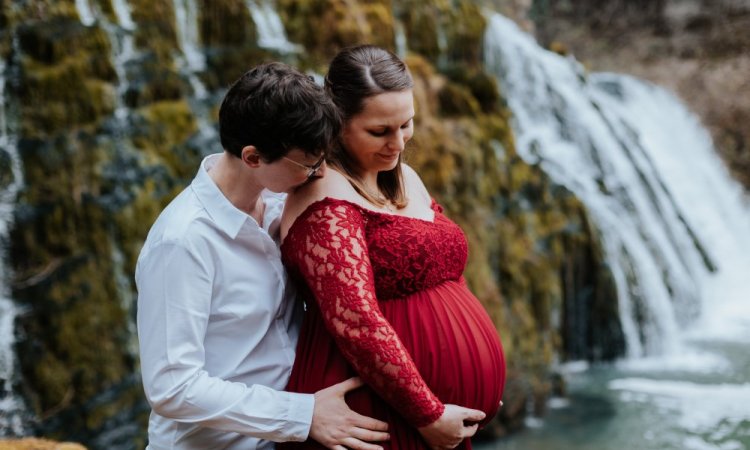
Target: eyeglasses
(311, 170)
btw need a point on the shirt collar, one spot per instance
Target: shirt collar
(226, 216)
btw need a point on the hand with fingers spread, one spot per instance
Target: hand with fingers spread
(456, 424)
(337, 427)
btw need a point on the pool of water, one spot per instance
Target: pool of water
(697, 400)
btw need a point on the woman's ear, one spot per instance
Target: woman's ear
(250, 156)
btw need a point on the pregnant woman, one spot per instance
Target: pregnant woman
(380, 270)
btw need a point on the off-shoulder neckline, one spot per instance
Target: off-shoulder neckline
(328, 199)
(314, 205)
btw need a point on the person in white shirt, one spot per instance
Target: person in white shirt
(217, 324)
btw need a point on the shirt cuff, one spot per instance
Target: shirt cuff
(300, 414)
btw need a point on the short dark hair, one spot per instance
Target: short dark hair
(276, 108)
(355, 74)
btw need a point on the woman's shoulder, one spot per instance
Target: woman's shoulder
(333, 186)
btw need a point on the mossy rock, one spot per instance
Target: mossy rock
(323, 27)
(156, 26)
(444, 32)
(61, 247)
(465, 33)
(456, 100)
(380, 19)
(52, 41)
(82, 102)
(44, 10)
(229, 63)
(482, 85)
(226, 23)
(6, 170)
(156, 81)
(161, 131)
(423, 25)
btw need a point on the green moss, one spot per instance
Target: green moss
(380, 20)
(326, 26)
(106, 7)
(423, 26)
(157, 81)
(482, 86)
(66, 292)
(63, 68)
(45, 10)
(231, 63)
(6, 172)
(456, 100)
(225, 23)
(156, 26)
(134, 221)
(465, 32)
(162, 130)
(444, 32)
(52, 41)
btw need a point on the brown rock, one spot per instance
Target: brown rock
(38, 444)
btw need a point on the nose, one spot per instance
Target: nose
(398, 142)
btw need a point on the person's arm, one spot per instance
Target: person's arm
(174, 300)
(174, 303)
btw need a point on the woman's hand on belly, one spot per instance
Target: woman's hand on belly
(450, 429)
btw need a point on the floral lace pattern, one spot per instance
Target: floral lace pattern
(348, 263)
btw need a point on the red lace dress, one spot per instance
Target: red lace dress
(386, 300)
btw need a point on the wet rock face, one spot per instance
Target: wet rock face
(106, 138)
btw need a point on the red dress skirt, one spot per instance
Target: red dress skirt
(386, 300)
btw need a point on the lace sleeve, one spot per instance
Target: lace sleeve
(328, 249)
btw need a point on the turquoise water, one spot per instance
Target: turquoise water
(699, 400)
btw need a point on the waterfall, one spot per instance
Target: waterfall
(123, 48)
(85, 13)
(271, 34)
(122, 11)
(12, 408)
(193, 61)
(673, 225)
(186, 20)
(400, 38)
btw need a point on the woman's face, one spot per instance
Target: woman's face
(376, 136)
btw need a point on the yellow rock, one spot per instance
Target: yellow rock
(38, 444)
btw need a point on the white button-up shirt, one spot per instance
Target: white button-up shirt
(217, 326)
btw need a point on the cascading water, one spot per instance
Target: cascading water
(675, 229)
(12, 408)
(123, 53)
(192, 62)
(271, 34)
(400, 39)
(186, 19)
(581, 133)
(121, 37)
(122, 11)
(85, 13)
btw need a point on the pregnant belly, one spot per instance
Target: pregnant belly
(454, 344)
